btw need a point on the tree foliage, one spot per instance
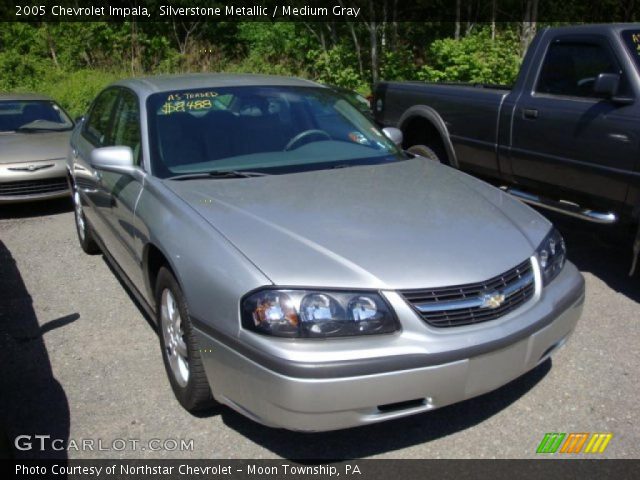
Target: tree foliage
(72, 61)
(474, 58)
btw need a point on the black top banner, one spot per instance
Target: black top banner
(319, 11)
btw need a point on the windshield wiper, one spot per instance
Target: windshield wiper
(219, 174)
(41, 129)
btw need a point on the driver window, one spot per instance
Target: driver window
(127, 124)
(97, 128)
(570, 69)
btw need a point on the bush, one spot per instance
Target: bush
(337, 66)
(474, 58)
(255, 63)
(74, 91)
(21, 71)
(398, 65)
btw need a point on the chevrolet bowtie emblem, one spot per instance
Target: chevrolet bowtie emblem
(492, 300)
(31, 167)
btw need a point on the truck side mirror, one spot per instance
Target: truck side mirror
(606, 84)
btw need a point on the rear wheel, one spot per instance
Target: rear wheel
(180, 351)
(85, 235)
(424, 151)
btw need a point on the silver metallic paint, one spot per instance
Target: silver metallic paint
(410, 224)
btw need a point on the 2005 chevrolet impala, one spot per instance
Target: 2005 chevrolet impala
(302, 269)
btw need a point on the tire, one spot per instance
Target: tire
(180, 351)
(83, 229)
(424, 151)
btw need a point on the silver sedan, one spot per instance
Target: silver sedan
(302, 269)
(34, 138)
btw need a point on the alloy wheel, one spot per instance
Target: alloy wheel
(175, 347)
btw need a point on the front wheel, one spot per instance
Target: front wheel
(180, 352)
(85, 235)
(424, 151)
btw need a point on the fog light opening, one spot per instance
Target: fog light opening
(406, 405)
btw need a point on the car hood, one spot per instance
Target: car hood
(409, 224)
(31, 147)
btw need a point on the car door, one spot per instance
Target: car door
(565, 136)
(95, 132)
(124, 189)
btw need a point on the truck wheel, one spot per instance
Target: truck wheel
(180, 351)
(85, 235)
(424, 151)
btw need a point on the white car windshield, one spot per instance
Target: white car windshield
(32, 115)
(265, 129)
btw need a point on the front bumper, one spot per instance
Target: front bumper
(47, 180)
(329, 395)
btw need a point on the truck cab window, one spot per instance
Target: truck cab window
(570, 69)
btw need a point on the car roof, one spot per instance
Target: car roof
(23, 96)
(146, 86)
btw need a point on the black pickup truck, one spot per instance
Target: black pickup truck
(565, 137)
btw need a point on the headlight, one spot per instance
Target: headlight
(317, 314)
(552, 254)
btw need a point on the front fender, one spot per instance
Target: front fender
(212, 272)
(433, 117)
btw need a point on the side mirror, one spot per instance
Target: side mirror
(79, 119)
(606, 84)
(113, 159)
(393, 134)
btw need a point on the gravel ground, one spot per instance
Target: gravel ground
(79, 361)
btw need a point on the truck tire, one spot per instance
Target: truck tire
(181, 353)
(424, 151)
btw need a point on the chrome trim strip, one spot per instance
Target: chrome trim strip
(30, 167)
(449, 305)
(570, 209)
(515, 287)
(476, 302)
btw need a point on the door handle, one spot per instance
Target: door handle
(530, 113)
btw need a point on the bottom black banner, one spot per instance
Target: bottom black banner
(360, 469)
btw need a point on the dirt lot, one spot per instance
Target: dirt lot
(79, 361)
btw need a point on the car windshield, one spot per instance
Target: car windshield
(632, 40)
(355, 99)
(264, 129)
(32, 115)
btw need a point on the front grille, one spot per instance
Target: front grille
(469, 304)
(33, 187)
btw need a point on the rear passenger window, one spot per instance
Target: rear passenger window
(97, 129)
(570, 69)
